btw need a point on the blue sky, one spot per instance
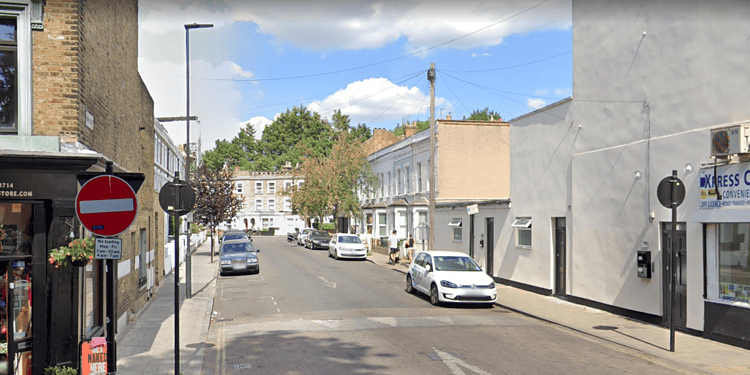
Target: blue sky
(367, 58)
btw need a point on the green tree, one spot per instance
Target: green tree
(333, 182)
(294, 127)
(225, 153)
(484, 115)
(361, 132)
(215, 201)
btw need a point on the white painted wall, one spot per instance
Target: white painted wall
(646, 102)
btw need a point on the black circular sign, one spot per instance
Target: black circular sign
(671, 192)
(167, 198)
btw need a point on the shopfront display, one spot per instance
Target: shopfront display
(16, 292)
(734, 262)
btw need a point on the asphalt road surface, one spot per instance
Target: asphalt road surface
(306, 313)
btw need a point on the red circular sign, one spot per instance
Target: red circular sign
(106, 205)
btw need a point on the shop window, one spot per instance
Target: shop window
(522, 226)
(734, 262)
(457, 229)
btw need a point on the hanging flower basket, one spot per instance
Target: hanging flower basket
(78, 253)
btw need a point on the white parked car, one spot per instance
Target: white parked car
(302, 235)
(346, 246)
(448, 276)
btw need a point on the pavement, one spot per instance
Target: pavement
(146, 346)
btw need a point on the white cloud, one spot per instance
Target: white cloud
(362, 24)
(542, 92)
(536, 103)
(259, 124)
(375, 100)
(561, 92)
(214, 102)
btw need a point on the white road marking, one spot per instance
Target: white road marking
(106, 205)
(328, 323)
(453, 364)
(327, 283)
(385, 320)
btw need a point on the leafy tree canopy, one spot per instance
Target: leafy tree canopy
(484, 115)
(215, 201)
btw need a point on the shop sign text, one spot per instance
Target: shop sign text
(732, 183)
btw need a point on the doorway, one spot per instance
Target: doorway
(560, 260)
(490, 230)
(16, 233)
(680, 313)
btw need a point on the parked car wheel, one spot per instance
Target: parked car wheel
(409, 286)
(434, 298)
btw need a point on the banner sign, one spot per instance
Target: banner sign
(727, 188)
(94, 356)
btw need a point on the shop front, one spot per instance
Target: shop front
(37, 195)
(724, 210)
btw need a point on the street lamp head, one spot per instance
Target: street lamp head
(198, 26)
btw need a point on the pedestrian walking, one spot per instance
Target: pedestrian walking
(410, 247)
(393, 248)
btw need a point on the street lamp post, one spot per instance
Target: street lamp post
(188, 263)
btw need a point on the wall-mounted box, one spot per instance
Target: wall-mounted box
(644, 264)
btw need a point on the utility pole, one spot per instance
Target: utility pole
(431, 239)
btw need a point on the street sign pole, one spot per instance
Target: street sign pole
(111, 305)
(672, 262)
(176, 216)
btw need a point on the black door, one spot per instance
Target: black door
(490, 244)
(471, 236)
(560, 256)
(680, 313)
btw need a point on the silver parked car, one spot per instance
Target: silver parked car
(347, 246)
(302, 234)
(237, 256)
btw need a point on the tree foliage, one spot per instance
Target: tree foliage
(215, 201)
(333, 182)
(278, 144)
(484, 115)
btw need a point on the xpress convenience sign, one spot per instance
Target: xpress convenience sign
(725, 187)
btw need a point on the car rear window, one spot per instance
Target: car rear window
(233, 248)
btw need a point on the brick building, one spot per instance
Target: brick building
(71, 101)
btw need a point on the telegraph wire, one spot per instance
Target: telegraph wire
(508, 67)
(392, 104)
(379, 62)
(503, 91)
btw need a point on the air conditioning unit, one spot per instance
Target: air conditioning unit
(730, 141)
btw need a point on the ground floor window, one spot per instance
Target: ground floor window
(522, 226)
(381, 224)
(734, 262)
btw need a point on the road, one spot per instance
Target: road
(306, 313)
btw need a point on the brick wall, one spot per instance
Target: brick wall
(85, 64)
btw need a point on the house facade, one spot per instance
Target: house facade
(472, 167)
(265, 204)
(651, 86)
(70, 103)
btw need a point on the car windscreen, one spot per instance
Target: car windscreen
(230, 237)
(349, 239)
(236, 248)
(455, 263)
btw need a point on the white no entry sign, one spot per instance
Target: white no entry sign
(106, 205)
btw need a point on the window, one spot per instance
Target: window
(734, 262)
(258, 187)
(287, 185)
(287, 204)
(271, 204)
(457, 230)
(381, 224)
(8, 76)
(143, 259)
(398, 182)
(265, 223)
(271, 188)
(408, 181)
(258, 205)
(419, 177)
(522, 227)
(239, 187)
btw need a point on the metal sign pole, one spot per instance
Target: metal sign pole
(176, 216)
(672, 262)
(111, 306)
